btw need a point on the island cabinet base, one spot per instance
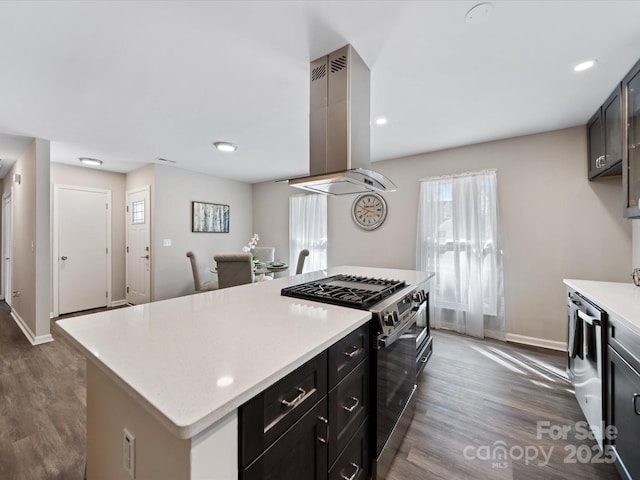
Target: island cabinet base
(159, 454)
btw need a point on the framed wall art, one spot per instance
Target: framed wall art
(209, 217)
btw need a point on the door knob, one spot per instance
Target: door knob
(145, 256)
(64, 257)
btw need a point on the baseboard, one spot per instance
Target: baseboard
(537, 342)
(35, 340)
(119, 303)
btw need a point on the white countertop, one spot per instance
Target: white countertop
(191, 360)
(619, 299)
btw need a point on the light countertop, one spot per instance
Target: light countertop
(619, 299)
(191, 360)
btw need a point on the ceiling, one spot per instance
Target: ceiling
(131, 82)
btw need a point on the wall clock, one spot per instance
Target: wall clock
(369, 211)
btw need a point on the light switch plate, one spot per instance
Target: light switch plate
(166, 242)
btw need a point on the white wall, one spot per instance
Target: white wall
(62, 174)
(175, 189)
(556, 224)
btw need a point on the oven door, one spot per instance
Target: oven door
(396, 374)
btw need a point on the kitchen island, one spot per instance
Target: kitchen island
(165, 379)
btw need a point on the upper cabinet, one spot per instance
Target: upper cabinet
(631, 142)
(604, 133)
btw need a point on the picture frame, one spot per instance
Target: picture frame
(209, 217)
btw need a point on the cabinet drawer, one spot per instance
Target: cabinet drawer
(265, 417)
(625, 341)
(348, 407)
(354, 462)
(345, 354)
(301, 453)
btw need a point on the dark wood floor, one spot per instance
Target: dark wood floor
(476, 396)
(469, 401)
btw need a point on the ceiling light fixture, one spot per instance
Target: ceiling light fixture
(381, 121)
(225, 146)
(90, 161)
(479, 13)
(581, 67)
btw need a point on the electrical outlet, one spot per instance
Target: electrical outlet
(129, 453)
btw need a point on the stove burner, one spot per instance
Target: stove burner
(345, 290)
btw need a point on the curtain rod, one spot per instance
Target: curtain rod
(456, 175)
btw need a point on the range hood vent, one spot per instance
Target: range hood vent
(339, 128)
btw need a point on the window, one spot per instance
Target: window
(308, 229)
(459, 240)
(137, 212)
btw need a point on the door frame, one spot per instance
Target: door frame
(55, 251)
(7, 246)
(127, 217)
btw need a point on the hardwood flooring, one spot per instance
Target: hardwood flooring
(473, 395)
(476, 396)
(42, 407)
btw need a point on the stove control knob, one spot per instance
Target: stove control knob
(388, 319)
(396, 319)
(418, 296)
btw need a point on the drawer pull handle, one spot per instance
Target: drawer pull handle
(635, 403)
(326, 430)
(295, 401)
(353, 352)
(354, 475)
(350, 409)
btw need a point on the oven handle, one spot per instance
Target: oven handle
(390, 339)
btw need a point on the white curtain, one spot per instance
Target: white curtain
(308, 229)
(459, 239)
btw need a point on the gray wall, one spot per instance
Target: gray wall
(94, 178)
(31, 247)
(175, 189)
(555, 223)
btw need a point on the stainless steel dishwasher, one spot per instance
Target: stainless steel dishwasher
(584, 358)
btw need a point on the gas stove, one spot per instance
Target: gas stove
(346, 290)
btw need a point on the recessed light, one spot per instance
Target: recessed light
(381, 121)
(225, 146)
(479, 13)
(90, 161)
(224, 381)
(581, 67)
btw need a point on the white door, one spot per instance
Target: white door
(138, 246)
(82, 228)
(7, 242)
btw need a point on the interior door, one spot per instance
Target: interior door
(7, 242)
(83, 229)
(138, 246)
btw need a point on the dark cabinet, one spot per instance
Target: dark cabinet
(300, 453)
(314, 422)
(623, 397)
(624, 414)
(631, 142)
(605, 137)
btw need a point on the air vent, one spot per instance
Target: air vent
(318, 72)
(338, 64)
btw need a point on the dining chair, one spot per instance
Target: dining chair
(234, 269)
(301, 258)
(266, 255)
(202, 281)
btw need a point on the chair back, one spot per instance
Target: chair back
(234, 269)
(301, 258)
(201, 272)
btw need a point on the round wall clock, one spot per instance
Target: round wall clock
(369, 211)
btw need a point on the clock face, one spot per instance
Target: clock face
(369, 211)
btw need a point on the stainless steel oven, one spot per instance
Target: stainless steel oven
(401, 343)
(395, 373)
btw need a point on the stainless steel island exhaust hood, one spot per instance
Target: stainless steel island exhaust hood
(339, 129)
